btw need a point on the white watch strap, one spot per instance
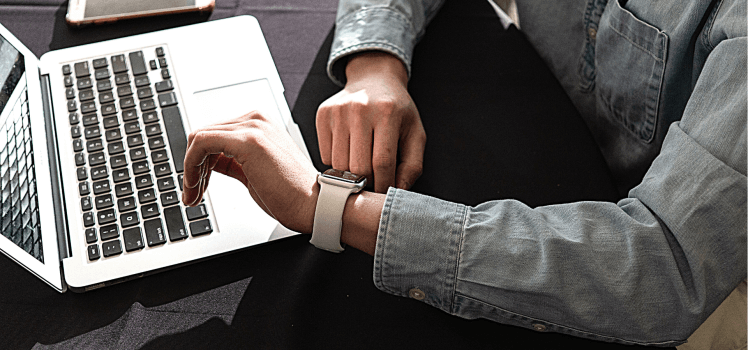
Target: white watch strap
(328, 217)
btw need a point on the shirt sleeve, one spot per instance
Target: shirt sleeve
(646, 270)
(390, 26)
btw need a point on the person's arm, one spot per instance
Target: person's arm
(363, 127)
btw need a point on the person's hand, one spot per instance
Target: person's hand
(263, 157)
(362, 127)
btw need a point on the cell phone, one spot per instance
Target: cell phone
(82, 12)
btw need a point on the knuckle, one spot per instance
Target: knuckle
(382, 163)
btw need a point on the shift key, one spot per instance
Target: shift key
(177, 137)
(175, 223)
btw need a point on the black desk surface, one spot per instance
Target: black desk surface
(287, 294)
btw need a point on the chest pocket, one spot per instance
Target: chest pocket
(629, 70)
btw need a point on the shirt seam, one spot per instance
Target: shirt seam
(464, 218)
(710, 26)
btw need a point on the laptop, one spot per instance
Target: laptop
(92, 143)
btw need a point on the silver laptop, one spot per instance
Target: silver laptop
(92, 142)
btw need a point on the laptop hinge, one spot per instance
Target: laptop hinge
(63, 243)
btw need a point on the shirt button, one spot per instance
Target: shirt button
(416, 294)
(592, 32)
(538, 327)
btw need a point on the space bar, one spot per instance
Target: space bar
(176, 135)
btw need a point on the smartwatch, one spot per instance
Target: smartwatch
(334, 188)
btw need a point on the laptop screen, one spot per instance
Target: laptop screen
(19, 213)
(11, 70)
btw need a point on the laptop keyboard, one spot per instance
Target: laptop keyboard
(127, 132)
(19, 219)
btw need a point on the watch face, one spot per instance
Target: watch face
(346, 176)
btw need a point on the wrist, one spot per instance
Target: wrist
(361, 220)
(377, 64)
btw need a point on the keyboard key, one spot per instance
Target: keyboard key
(103, 85)
(100, 63)
(105, 217)
(175, 223)
(91, 235)
(115, 148)
(123, 189)
(81, 69)
(153, 64)
(109, 232)
(111, 248)
(95, 159)
(84, 83)
(105, 97)
(162, 169)
(86, 204)
(165, 85)
(70, 93)
(88, 107)
(86, 95)
(66, 69)
(110, 122)
(135, 140)
(153, 130)
(145, 92)
(101, 74)
(128, 115)
(149, 117)
(104, 202)
(81, 173)
(159, 156)
(176, 135)
(93, 252)
(198, 212)
(169, 198)
(132, 127)
(144, 181)
(137, 63)
(98, 173)
(154, 232)
(75, 132)
(155, 143)
(142, 80)
(127, 102)
(146, 196)
(124, 91)
(68, 81)
(147, 104)
(129, 219)
(92, 132)
(80, 159)
(118, 64)
(94, 145)
(108, 109)
(165, 184)
(133, 239)
(113, 135)
(121, 79)
(137, 154)
(118, 161)
(120, 175)
(84, 188)
(77, 145)
(167, 99)
(90, 119)
(150, 210)
(72, 106)
(165, 74)
(101, 187)
(160, 51)
(126, 204)
(201, 227)
(88, 219)
(140, 168)
(162, 62)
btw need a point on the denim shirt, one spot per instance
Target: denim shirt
(662, 86)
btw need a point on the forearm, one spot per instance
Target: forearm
(361, 221)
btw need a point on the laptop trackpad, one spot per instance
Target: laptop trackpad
(231, 202)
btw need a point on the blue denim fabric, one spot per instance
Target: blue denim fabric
(662, 86)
